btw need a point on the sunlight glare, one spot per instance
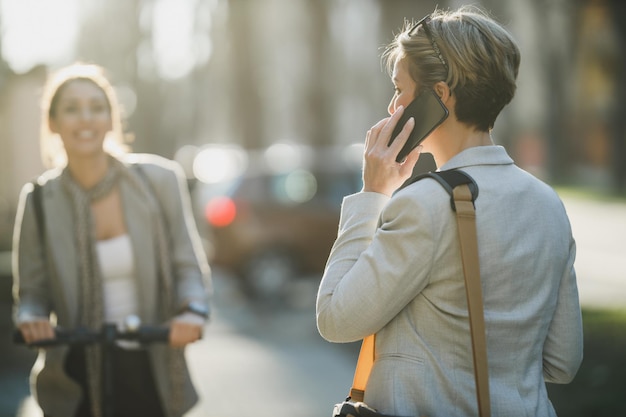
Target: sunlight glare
(38, 32)
(173, 38)
(219, 163)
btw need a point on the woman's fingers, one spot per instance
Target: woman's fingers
(36, 330)
(381, 131)
(391, 124)
(371, 139)
(381, 172)
(183, 333)
(379, 138)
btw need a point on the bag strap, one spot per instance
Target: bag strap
(463, 192)
(39, 216)
(364, 365)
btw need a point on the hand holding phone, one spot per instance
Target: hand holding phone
(429, 112)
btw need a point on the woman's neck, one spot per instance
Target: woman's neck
(88, 172)
(456, 139)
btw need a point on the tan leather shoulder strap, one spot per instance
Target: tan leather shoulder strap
(466, 220)
(363, 368)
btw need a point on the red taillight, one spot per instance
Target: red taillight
(220, 211)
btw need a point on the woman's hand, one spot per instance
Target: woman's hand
(184, 331)
(381, 172)
(36, 330)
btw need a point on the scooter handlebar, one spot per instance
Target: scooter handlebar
(81, 336)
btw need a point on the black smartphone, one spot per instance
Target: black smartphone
(429, 112)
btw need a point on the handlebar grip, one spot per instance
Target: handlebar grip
(147, 334)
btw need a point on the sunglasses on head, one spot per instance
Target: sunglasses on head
(423, 22)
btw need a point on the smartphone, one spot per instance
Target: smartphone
(429, 112)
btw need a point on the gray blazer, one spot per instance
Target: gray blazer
(395, 270)
(42, 289)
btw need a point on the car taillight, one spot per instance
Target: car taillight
(220, 211)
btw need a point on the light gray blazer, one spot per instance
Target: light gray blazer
(395, 270)
(41, 289)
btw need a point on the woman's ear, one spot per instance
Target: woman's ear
(443, 90)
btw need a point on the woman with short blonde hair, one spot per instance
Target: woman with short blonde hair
(395, 269)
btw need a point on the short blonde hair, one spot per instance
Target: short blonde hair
(481, 61)
(52, 151)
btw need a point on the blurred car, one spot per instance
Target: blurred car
(278, 221)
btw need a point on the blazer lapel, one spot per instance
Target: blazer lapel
(60, 227)
(138, 217)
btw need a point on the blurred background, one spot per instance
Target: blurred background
(265, 104)
(193, 73)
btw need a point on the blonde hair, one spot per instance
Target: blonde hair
(52, 151)
(482, 61)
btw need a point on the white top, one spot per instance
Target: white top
(118, 278)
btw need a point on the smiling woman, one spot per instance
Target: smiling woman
(79, 103)
(97, 248)
(81, 117)
(38, 32)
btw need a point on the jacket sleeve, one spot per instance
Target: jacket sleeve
(191, 269)
(372, 273)
(31, 293)
(563, 348)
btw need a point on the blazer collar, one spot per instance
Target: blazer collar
(479, 155)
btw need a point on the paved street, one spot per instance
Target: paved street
(600, 232)
(262, 361)
(267, 362)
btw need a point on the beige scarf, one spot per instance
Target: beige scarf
(90, 303)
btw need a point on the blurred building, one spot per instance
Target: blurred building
(20, 160)
(255, 73)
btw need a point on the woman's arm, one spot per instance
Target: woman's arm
(373, 272)
(190, 268)
(31, 292)
(563, 348)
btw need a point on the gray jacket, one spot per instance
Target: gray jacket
(42, 289)
(395, 270)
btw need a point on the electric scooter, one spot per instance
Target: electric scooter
(106, 337)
